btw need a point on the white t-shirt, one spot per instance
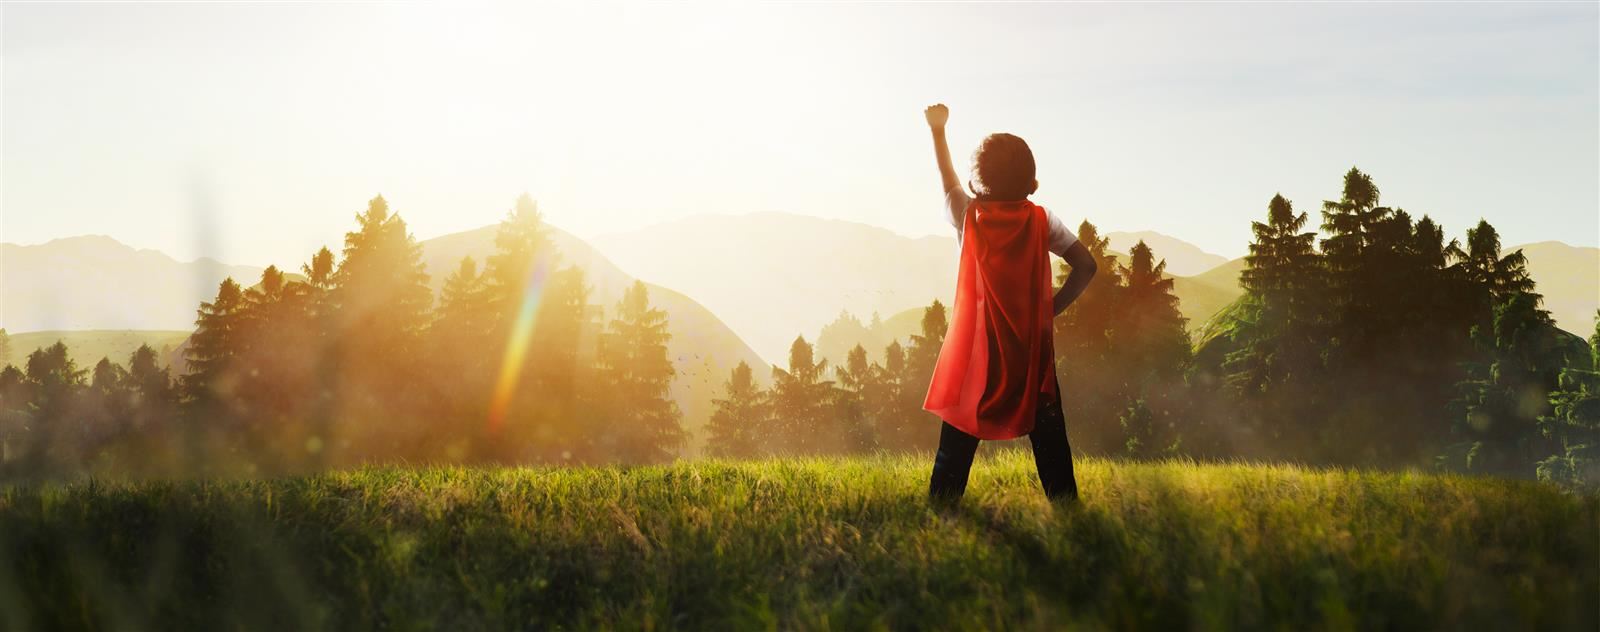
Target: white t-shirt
(955, 209)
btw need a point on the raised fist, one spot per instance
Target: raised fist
(937, 114)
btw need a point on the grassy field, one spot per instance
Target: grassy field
(846, 543)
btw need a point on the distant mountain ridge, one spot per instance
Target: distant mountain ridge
(774, 276)
(1183, 258)
(96, 282)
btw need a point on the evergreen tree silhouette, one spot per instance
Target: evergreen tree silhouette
(802, 406)
(16, 418)
(920, 429)
(854, 381)
(1149, 343)
(1091, 397)
(641, 422)
(207, 387)
(462, 363)
(57, 384)
(1573, 423)
(887, 401)
(382, 301)
(735, 427)
(1275, 373)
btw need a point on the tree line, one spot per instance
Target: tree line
(352, 361)
(1372, 342)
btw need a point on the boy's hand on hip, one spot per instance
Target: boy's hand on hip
(937, 114)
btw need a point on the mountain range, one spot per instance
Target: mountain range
(1183, 258)
(96, 282)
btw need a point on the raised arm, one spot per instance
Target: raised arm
(1083, 269)
(937, 115)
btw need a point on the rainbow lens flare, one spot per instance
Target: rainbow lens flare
(517, 347)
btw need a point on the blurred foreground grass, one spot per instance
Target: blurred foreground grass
(810, 543)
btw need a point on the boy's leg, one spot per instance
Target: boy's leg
(952, 463)
(1051, 454)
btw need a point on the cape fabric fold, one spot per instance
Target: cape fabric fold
(997, 356)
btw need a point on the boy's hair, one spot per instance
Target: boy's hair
(1004, 167)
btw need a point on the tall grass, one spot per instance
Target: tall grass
(802, 543)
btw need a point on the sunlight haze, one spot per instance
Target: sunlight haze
(253, 133)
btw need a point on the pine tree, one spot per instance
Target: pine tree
(522, 275)
(383, 300)
(1382, 337)
(462, 367)
(280, 349)
(801, 402)
(1574, 421)
(5, 347)
(208, 386)
(321, 318)
(1277, 367)
(855, 379)
(561, 358)
(155, 401)
(1091, 396)
(16, 418)
(919, 429)
(643, 424)
(1149, 341)
(57, 384)
(736, 426)
(522, 244)
(1352, 225)
(1506, 392)
(886, 400)
(103, 415)
(1481, 264)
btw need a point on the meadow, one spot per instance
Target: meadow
(802, 543)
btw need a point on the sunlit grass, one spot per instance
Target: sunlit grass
(805, 543)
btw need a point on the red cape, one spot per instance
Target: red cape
(998, 357)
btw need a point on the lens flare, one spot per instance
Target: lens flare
(517, 347)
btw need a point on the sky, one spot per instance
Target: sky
(254, 132)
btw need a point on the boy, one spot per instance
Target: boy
(995, 378)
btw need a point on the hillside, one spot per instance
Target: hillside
(703, 349)
(87, 347)
(803, 544)
(1569, 279)
(773, 276)
(1183, 258)
(96, 282)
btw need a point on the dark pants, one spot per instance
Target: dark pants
(1051, 455)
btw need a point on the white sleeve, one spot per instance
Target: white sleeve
(1060, 238)
(955, 207)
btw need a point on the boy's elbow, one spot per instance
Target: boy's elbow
(1088, 266)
